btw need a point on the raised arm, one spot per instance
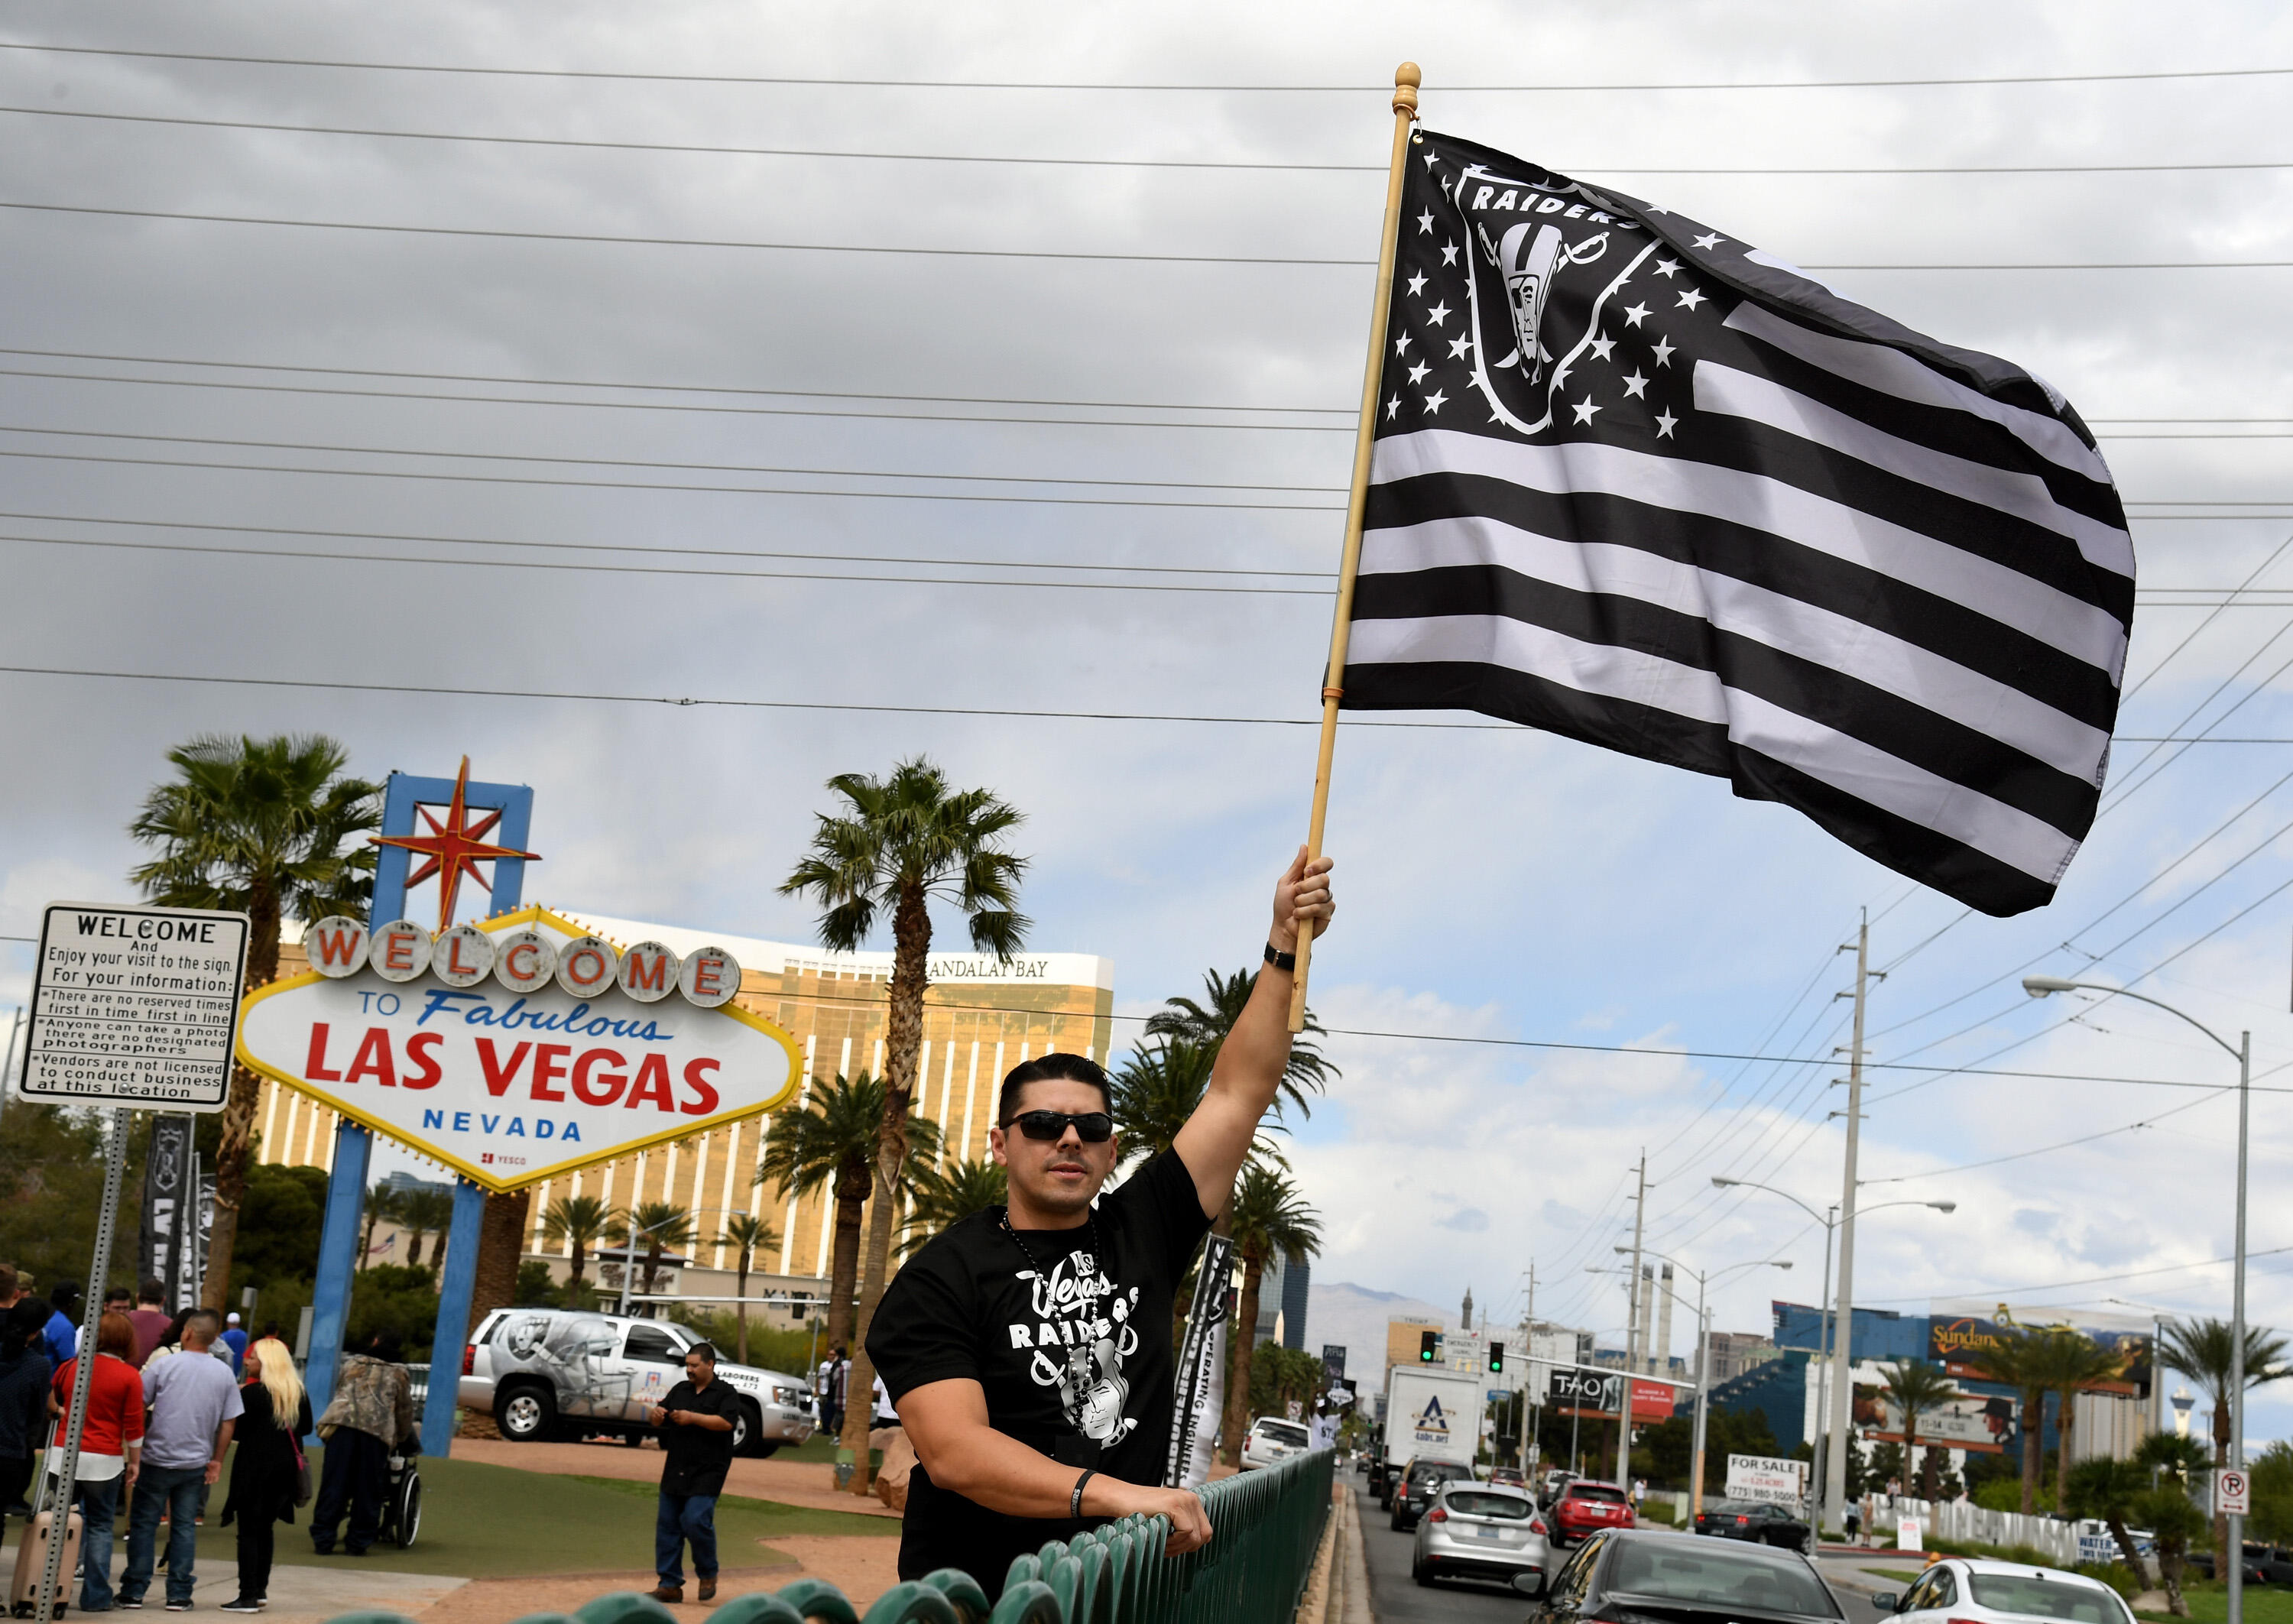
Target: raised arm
(947, 1422)
(1251, 1061)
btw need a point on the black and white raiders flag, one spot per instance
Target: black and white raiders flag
(1640, 483)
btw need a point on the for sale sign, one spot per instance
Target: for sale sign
(135, 1006)
(1767, 1477)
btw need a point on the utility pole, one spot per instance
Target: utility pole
(1528, 1353)
(1624, 1402)
(1841, 1394)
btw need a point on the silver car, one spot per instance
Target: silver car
(558, 1372)
(1482, 1530)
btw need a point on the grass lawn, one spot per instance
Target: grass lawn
(481, 1521)
(821, 1448)
(2209, 1605)
(1901, 1575)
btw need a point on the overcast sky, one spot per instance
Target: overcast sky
(1495, 884)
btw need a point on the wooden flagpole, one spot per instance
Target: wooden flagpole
(1406, 78)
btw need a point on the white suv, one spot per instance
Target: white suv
(555, 1372)
(1272, 1439)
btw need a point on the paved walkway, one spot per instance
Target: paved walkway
(792, 1483)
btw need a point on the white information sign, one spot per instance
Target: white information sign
(2233, 1493)
(1767, 1477)
(1906, 1535)
(135, 1006)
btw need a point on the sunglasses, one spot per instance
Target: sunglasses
(1090, 1127)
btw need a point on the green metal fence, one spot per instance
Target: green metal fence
(1266, 1527)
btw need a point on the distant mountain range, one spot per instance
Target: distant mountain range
(1353, 1317)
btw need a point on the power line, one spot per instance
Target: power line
(2091, 1279)
(240, 59)
(504, 234)
(1268, 165)
(2045, 1150)
(676, 467)
(738, 491)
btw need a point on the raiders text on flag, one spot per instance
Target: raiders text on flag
(1641, 484)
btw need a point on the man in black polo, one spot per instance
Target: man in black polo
(1027, 1348)
(695, 1421)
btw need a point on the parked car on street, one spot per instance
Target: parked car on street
(1974, 1591)
(1514, 1476)
(1419, 1484)
(558, 1372)
(1651, 1573)
(1760, 1521)
(1586, 1506)
(1272, 1439)
(2264, 1564)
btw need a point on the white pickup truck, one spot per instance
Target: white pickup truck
(560, 1372)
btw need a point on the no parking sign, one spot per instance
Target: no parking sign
(2233, 1493)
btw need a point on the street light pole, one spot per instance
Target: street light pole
(1835, 1477)
(1703, 1363)
(2041, 986)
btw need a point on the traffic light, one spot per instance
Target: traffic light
(1429, 1347)
(1497, 1357)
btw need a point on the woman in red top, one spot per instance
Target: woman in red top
(109, 1448)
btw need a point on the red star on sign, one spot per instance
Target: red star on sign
(454, 848)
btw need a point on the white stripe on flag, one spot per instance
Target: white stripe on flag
(1830, 639)
(1909, 378)
(1870, 774)
(1743, 394)
(2085, 631)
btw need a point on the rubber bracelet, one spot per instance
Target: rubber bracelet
(1075, 1500)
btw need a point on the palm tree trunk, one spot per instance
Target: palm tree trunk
(366, 1241)
(580, 1260)
(653, 1263)
(2034, 1423)
(502, 1229)
(1241, 1332)
(1910, 1446)
(844, 1261)
(2063, 1429)
(236, 1148)
(740, 1309)
(904, 1029)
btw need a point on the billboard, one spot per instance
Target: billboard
(1985, 1426)
(1958, 1330)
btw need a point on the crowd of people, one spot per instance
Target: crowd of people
(167, 1395)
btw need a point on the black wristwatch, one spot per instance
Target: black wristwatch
(1281, 960)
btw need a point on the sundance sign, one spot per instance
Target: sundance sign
(513, 1081)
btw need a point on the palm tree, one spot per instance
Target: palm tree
(1917, 1387)
(2069, 1361)
(902, 841)
(2166, 1512)
(747, 1236)
(2012, 1361)
(943, 1197)
(1207, 1025)
(660, 1226)
(266, 826)
(1156, 1090)
(2203, 1350)
(425, 1212)
(832, 1142)
(382, 1202)
(578, 1220)
(2106, 1490)
(1269, 1215)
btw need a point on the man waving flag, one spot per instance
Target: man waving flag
(1638, 482)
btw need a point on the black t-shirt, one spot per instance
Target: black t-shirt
(699, 1457)
(1076, 1365)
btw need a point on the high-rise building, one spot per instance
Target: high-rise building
(1297, 1276)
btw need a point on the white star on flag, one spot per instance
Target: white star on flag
(1636, 315)
(1666, 267)
(1417, 373)
(1664, 423)
(1425, 223)
(1393, 406)
(1710, 240)
(1664, 347)
(1449, 254)
(1401, 344)
(1635, 384)
(1459, 346)
(1691, 299)
(1601, 346)
(1585, 409)
(1435, 401)
(1417, 285)
(1438, 314)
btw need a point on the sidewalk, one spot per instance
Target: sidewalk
(792, 1483)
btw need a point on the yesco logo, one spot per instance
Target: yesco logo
(1431, 1421)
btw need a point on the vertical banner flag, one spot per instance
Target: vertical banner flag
(1201, 1369)
(1640, 483)
(167, 1168)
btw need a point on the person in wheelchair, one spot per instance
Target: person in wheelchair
(369, 1418)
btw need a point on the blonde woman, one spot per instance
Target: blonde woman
(265, 1471)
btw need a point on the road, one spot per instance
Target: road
(1396, 1598)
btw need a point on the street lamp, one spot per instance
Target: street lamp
(2042, 986)
(1703, 1374)
(1819, 1496)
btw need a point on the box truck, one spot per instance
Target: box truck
(1430, 1415)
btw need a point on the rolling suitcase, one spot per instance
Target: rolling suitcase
(31, 1562)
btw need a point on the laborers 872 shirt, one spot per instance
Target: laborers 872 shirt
(1067, 1332)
